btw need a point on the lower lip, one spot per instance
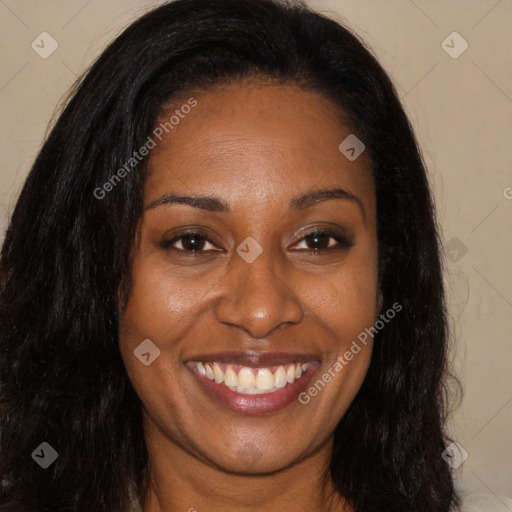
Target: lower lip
(256, 404)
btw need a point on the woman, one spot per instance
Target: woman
(221, 286)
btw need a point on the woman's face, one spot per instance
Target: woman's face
(232, 280)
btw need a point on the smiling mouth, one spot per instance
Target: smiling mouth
(251, 381)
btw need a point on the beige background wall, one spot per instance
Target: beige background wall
(461, 109)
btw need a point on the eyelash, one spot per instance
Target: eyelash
(342, 242)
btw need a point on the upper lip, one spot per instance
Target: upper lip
(255, 359)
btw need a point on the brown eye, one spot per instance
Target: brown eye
(322, 240)
(191, 241)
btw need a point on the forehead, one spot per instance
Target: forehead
(254, 141)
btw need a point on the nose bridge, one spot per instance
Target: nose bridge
(261, 275)
(258, 298)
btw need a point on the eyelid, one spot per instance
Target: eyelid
(198, 232)
(342, 240)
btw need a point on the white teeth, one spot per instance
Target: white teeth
(252, 391)
(218, 374)
(247, 383)
(280, 377)
(290, 373)
(201, 369)
(246, 378)
(209, 372)
(230, 377)
(264, 379)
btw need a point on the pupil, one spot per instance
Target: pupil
(193, 243)
(317, 240)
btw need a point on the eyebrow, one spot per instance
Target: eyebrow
(300, 202)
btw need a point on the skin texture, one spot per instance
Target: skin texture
(254, 145)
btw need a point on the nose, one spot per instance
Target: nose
(257, 298)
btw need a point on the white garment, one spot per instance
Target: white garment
(136, 507)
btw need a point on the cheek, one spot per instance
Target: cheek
(346, 310)
(156, 309)
(164, 306)
(347, 300)
(162, 300)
